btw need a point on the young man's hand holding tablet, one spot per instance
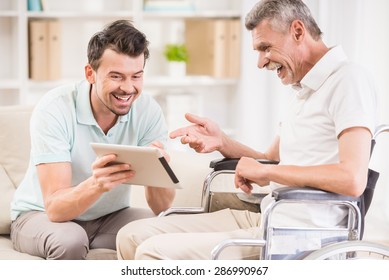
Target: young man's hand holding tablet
(150, 166)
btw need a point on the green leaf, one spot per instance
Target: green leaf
(176, 52)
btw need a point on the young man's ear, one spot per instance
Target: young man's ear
(298, 30)
(90, 74)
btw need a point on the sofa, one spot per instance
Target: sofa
(190, 168)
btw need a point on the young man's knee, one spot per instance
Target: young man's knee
(67, 248)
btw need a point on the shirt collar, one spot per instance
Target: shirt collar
(83, 105)
(320, 72)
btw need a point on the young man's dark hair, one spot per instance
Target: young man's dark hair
(120, 36)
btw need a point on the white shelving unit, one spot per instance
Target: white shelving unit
(80, 19)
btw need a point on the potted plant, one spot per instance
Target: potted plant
(177, 56)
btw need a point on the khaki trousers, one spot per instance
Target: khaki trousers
(189, 236)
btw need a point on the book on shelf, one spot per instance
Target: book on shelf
(45, 6)
(54, 50)
(234, 43)
(37, 5)
(34, 5)
(38, 45)
(44, 50)
(213, 47)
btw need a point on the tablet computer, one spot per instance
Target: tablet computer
(151, 168)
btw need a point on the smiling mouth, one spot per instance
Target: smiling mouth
(122, 97)
(274, 66)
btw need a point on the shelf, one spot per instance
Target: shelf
(81, 15)
(9, 84)
(9, 13)
(49, 84)
(126, 14)
(190, 14)
(152, 82)
(162, 82)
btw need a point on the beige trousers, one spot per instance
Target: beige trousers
(188, 236)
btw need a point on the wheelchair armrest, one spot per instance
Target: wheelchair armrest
(308, 193)
(182, 210)
(230, 163)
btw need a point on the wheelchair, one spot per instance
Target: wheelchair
(293, 242)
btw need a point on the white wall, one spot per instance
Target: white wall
(360, 26)
(373, 53)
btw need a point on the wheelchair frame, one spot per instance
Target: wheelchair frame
(307, 195)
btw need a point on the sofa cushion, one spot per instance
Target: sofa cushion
(102, 254)
(14, 156)
(15, 143)
(7, 251)
(6, 189)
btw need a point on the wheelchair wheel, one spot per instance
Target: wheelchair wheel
(350, 250)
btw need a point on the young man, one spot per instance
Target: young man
(71, 201)
(323, 142)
